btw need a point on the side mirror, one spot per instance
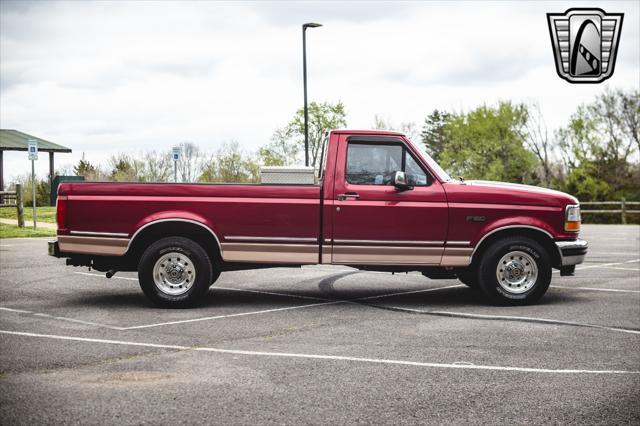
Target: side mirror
(400, 182)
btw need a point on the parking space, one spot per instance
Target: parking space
(320, 344)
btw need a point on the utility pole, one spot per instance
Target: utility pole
(304, 78)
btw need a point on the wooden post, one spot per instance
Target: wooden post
(623, 210)
(1, 176)
(51, 167)
(19, 205)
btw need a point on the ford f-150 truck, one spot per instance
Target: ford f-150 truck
(379, 203)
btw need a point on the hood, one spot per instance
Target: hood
(483, 191)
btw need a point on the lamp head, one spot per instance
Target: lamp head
(311, 25)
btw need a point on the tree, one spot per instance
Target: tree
(537, 139)
(322, 118)
(432, 135)
(599, 142)
(487, 143)
(407, 128)
(86, 169)
(156, 166)
(281, 151)
(189, 164)
(629, 105)
(230, 165)
(124, 168)
(43, 189)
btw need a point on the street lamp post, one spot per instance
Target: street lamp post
(304, 73)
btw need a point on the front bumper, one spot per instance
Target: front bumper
(53, 248)
(572, 252)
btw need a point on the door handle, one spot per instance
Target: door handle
(346, 195)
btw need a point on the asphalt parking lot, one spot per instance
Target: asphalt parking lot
(320, 345)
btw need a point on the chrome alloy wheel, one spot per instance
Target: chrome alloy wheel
(174, 273)
(517, 272)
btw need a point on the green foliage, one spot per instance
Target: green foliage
(433, 135)
(86, 169)
(581, 183)
(599, 145)
(487, 143)
(282, 151)
(230, 165)
(322, 118)
(12, 231)
(124, 168)
(43, 188)
(45, 213)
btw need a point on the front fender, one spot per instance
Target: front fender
(514, 222)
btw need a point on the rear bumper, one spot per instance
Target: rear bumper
(572, 252)
(53, 248)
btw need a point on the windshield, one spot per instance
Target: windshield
(432, 163)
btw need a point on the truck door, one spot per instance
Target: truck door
(373, 222)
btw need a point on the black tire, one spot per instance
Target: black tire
(468, 276)
(531, 290)
(194, 255)
(216, 274)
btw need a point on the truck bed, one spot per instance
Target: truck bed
(249, 210)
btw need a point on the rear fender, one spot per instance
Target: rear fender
(175, 216)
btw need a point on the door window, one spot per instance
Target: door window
(376, 164)
(415, 175)
(373, 164)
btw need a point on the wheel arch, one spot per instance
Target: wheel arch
(181, 227)
(538, 234)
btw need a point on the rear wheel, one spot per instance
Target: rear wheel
(514, 271)
(175, 272)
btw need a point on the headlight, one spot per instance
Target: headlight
(572, 218)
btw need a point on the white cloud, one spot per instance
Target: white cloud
(102, 77)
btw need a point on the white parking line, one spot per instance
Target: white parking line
(602, 265)
(241, 314)
(90, 274)
(324, 302)
(20, 311)
(513, 318)
(612, 290)
(455, 366)
(39, 314)
(622, 269)
(614, 253)
(408, 292)
(271, 293)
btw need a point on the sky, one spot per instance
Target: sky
(130, 76)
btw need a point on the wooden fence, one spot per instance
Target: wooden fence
(623, 211)
(13, 199)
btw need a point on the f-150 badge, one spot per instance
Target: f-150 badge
(585, 43)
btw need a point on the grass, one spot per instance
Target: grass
(44, 214)
(12, 231)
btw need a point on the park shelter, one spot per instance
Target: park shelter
(14, 140)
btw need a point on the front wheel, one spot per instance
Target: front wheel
(514, 271)
(468, 276)
(175, 272)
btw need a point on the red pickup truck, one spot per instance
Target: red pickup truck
(380, 203)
